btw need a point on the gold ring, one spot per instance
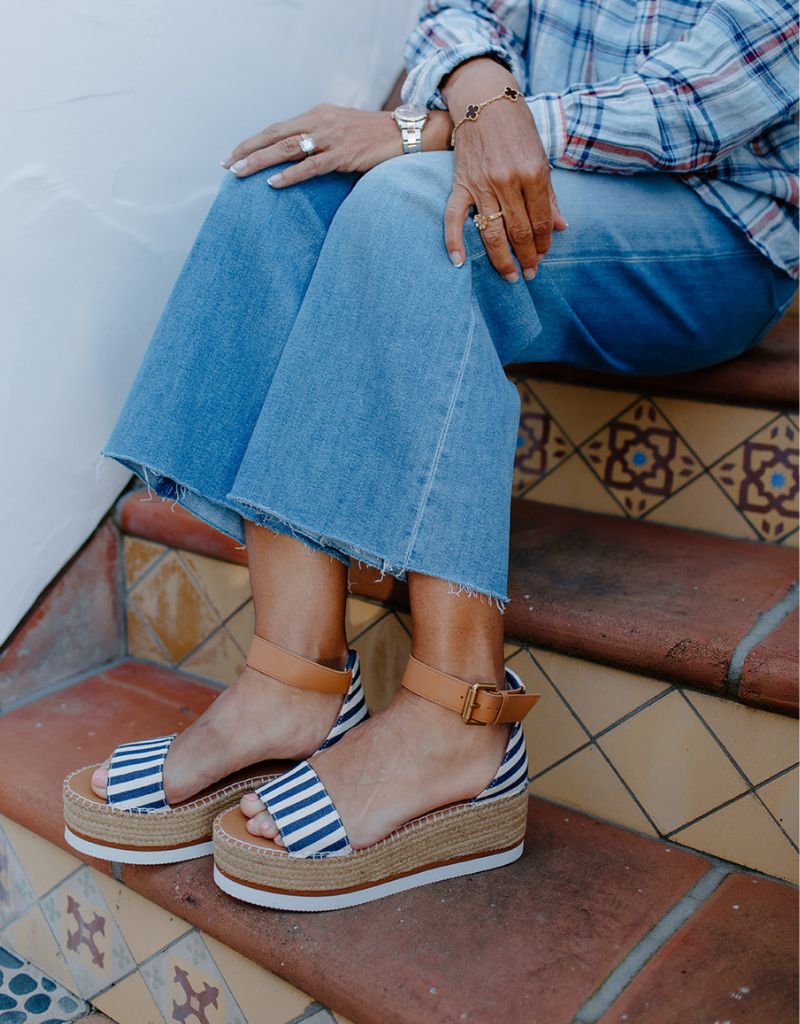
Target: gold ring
(483, 220)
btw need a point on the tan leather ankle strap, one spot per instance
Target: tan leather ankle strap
(295, 670)
(478, 704)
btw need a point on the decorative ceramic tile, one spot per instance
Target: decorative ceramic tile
(142, 641)
(674, 767)
(551, 730)
(145, 926)
(383, 649)
(174, 606)
(640, 458)
(573, 484)
(218, 658)
(580, 411)
(29, 997)
(711, 429)
(761, 743)
(263, 997)
(45, 865)
(187, 985)
(541, 443)
(781, 797)
(139, 556)
(315, 1014)
(703, 505)
(241, 626)
(31, 938)
(761, 477)
(360, 615)
(598, 695)
(742, 831)
(226, 586)
(86, 932)
(16, 892)
(586, 782)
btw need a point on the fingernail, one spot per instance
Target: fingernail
(511, 278)
(239, 166)
(529, 275)
(276, 179)
(227, 161)
(457, 259)
(566, 223)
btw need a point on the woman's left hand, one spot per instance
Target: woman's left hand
(345, 139)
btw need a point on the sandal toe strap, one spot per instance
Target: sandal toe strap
(136, 775)
(302, 809)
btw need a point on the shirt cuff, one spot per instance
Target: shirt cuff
(551, 123)
(421, 87)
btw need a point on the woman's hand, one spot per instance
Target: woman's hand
(346, 139)
(500, 164)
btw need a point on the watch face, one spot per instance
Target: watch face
(409, 113)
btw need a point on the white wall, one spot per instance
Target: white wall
(114, 115)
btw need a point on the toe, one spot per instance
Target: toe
(251, 804)
(100, 780)
(263, 826)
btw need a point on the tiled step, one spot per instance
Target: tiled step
(662, 602)
(594, 922)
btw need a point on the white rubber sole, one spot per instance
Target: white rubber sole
(122, 856)
(288, 901)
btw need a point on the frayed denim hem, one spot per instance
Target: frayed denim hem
(281, 524)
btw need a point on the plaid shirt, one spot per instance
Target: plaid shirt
(705, 89)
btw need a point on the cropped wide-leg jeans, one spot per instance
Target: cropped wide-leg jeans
(322, 369)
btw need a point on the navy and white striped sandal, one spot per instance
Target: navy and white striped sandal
(136, 825)
(317, 869)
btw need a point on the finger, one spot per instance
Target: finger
(540, 213)
(312, 167)
(286, 149)
(268, 137)
(455, 215)
(520, 233)
(495, 240)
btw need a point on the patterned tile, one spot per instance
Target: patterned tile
(187, 985)
(640, 458)
(219, 658)
(761, 478)
(87, 933)
(130, 1002)
(16, 892)
(139, 555)
(703, 505)
(45, 865)
(142, 641)
(226, 586)
(241, 626)
(541, 443)
(360, 615)
(146, 927)
(573, 484)
(671, 763)
(711, 429)
(781, 797)
(31, 938)
(29, 997)
(383, 649)
(580, 411)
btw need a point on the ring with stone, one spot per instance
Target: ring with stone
(483, 220)
(307, 144)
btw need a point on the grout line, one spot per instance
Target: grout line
(765, 625)
(619, 979)
(63, 684)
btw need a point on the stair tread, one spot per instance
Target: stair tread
(651, 599)
(545, 934)
(766, 375)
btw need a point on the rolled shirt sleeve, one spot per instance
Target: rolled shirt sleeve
(447, 34)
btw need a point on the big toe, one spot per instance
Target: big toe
(100, 780)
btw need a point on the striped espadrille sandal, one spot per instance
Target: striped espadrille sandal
(317, 869)
(136, 825)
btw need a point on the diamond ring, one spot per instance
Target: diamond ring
(307, 144)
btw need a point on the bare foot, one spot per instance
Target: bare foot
(256, 719)
(413, 758)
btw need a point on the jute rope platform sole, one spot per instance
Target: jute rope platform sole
(97, 829)
(455, 841)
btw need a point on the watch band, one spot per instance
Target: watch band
(411, 133)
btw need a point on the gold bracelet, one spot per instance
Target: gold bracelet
(475, 108)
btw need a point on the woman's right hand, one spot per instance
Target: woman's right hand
(500, 164)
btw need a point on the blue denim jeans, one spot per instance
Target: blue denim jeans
(322, 369)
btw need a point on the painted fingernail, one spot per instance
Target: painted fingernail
(276, 179)
(511, 278)
(239, 166)
(227, 161)
(457, 259)
(529, 275)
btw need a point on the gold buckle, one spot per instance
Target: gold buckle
(469, 702)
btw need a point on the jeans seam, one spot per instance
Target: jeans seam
(443, 433)
(654, 258)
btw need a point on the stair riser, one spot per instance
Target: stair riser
(721, 469)
(601, 740)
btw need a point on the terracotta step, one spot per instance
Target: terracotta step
(593, 917)
(655, 600)
(766, 375)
